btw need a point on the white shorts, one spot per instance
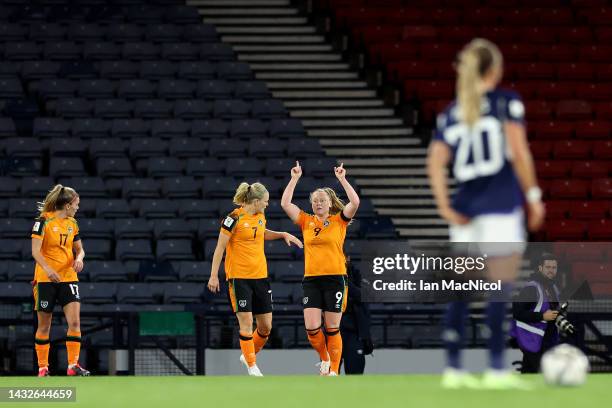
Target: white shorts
(505, 228)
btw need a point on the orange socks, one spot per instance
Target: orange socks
(334, 346)
(317, 341)
(41, 344)
(73, 346)
(259, 341)
(248, 349)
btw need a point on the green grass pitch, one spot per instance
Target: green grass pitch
(371, 391)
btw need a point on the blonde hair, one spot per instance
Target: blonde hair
(337, 204)
(474, 61)
(56, 199)
(247, 193)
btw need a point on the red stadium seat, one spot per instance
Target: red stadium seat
(419, 32)
(565, 189)
(601, 188)
(353, 17)
(558, 53)
(538, 35)
(552, 129)
(575, 35)
(572, 149)
(483, 16)
(445, 16)
(541, 149)
(497, 34)
(591, 271)
(377, 34)
(390, 52)
(410, 70)
(520, 16)
(535, 70)
(598, 15)
(590, 169)
(457, 34)
(565, 230)
(429, 90)
(430, 109)
(438, 52)
(602, 289)
(603, 72)
(579, 252)
(603, 110)
(554, 169)
(538, 110)
(602, 149)
(519, 52)
(594, 91)
(593, 130)
(589, 210)
(556, 16)
(558, 209)
(604, 34)
(600, 230)
(555, 90)
(574, 109)
(583, 72)
(595, 53)
(405, 16)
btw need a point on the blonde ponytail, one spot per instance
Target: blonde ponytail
(247, 193)
(475, 60)
(56, 199)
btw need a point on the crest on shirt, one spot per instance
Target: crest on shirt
(44, 304)
(305, 300)
(326, 223)
(242, 303)
(70, 230)
(311, 224)
(260, 222)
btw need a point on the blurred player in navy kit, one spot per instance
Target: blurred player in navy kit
(482, 133)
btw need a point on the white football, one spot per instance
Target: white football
(565, 365)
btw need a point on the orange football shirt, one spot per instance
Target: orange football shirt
(244, 254)
(58, 236)
(323, 244)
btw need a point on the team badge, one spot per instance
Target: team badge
(311, 224)
(242, 303)
(260, 222)
(326, 223)
(305, 300)
(70, 230)
(44, 304)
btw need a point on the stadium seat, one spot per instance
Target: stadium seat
(248, 128)
(9, 187)
(601, 188)
(224, 148)
(571, 149)
(209, 228)
(590, 169)
(188, 147)
(574, 110)
(96, 228)
(73, 108)
(124, 32)
(22, 50)
(212, 89)
(84, 32)
(189, 209)
(140, 51)
(231, 109)
(589, 209)
(66, 167)
(209, 129)
(170, 129)
(156, 271)
(234, 71)
(192, 109)
(133, 249)
(565, 230)
(247, 167)
(174, 250)
(191, 271)
(593, 129)
(267, 148)
(136, 89)
(199, 167)
(133, 228)
(23, 147)
(107, 271)
(98, 249)
(135, 293)
(99, 51)
(152, 109)
(219, 187)
(14, 227)
(118, 69)
(90, 128)
(161, 33)
(158, 209)
(164, 167)
(552, 169)
(286, 128)
(569, 189)
(114, 167)
(110, 148)
(251, 90)
(600, 230)
(268, 109)
(176, 89)
(113, 208)
(140, 188)
(177, 51)
(16, 291)
(181, 187)
(157, 70)
(287, 271)
(183, 293)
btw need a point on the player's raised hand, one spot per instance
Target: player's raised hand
(453, 217)
(213, 284)
(296, 172)
(535, 214)
(290, 239)
(340, 172)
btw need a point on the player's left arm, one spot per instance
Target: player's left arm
(79, 252)
(351, 208)
(270, 235)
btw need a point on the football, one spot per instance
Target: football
(565, 365)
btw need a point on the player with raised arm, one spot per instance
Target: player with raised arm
(324, 284)
(483, 134)
(241, 237)
(58, 251)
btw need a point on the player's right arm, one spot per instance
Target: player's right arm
(213, 281)
(40, 259)
(292, 210)
(522, 162)
(438, 157)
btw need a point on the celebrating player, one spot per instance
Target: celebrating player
(483, 134)
(242, 236)
(55, 241)
(324, 283)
